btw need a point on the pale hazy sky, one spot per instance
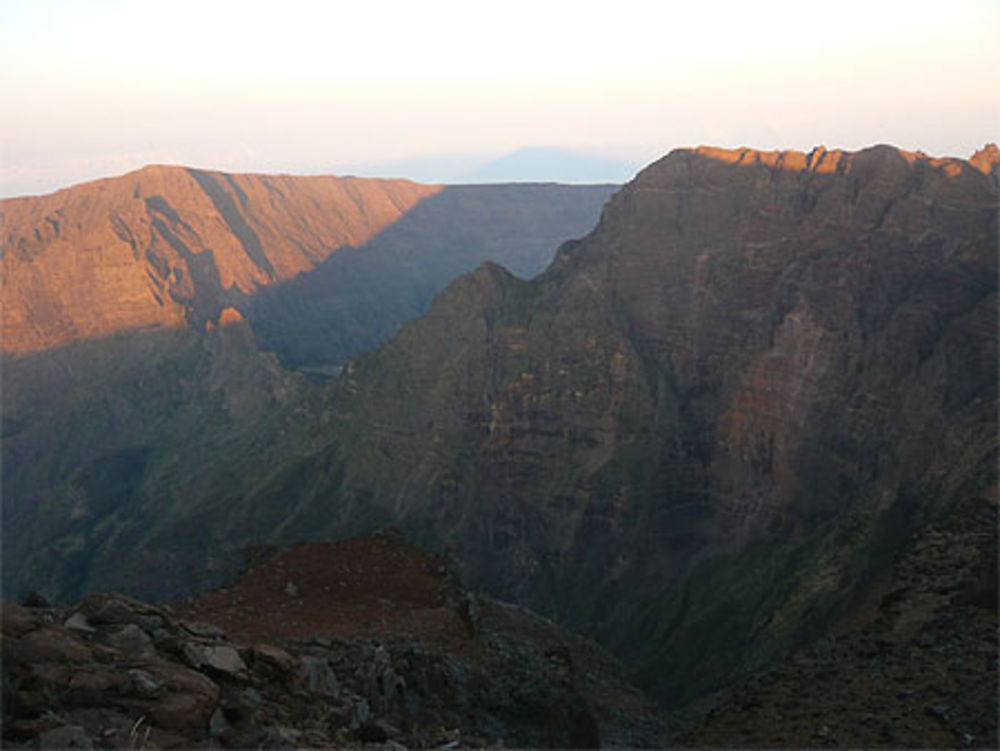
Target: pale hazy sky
(96, 88)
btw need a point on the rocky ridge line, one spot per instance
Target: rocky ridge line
(170, 246)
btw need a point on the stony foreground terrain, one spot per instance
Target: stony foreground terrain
(327, 645)
(912, 666)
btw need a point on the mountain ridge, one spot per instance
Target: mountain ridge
(172, 264)
(621, 396)
(98, 421)
(699, 434)
(173, 246)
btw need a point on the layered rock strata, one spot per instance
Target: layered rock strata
(705, 428)
(699, 436)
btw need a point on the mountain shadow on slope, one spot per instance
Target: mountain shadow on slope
(358, 297)
(698, 436)
(107, 440)
(172, 246)
(192, 392)
(710, 423)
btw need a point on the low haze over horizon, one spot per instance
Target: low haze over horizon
(453, 92)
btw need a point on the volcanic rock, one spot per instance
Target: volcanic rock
(173, 247)
(404, 688)
(701, 436)
(704, 430)
(908, 666)
(165, 246)
(134, 311)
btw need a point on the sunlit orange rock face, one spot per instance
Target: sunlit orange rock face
(170, 246)
(785, 289)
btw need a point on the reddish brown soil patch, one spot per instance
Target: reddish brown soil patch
(356, 588)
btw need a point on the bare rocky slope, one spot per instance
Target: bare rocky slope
(711, 423)
(913, 664)
(321, 646)
(358, 297)
(346, 260)
(134, 309)
(164, 246)
(702, 436)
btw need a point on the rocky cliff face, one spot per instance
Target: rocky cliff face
(165, 246)
(359, 297)
(709, 423)
(913, 664)
(173, 247)
(133, 312)
(105, 440)
(698, 436)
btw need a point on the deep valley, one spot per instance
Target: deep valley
(728, 432)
